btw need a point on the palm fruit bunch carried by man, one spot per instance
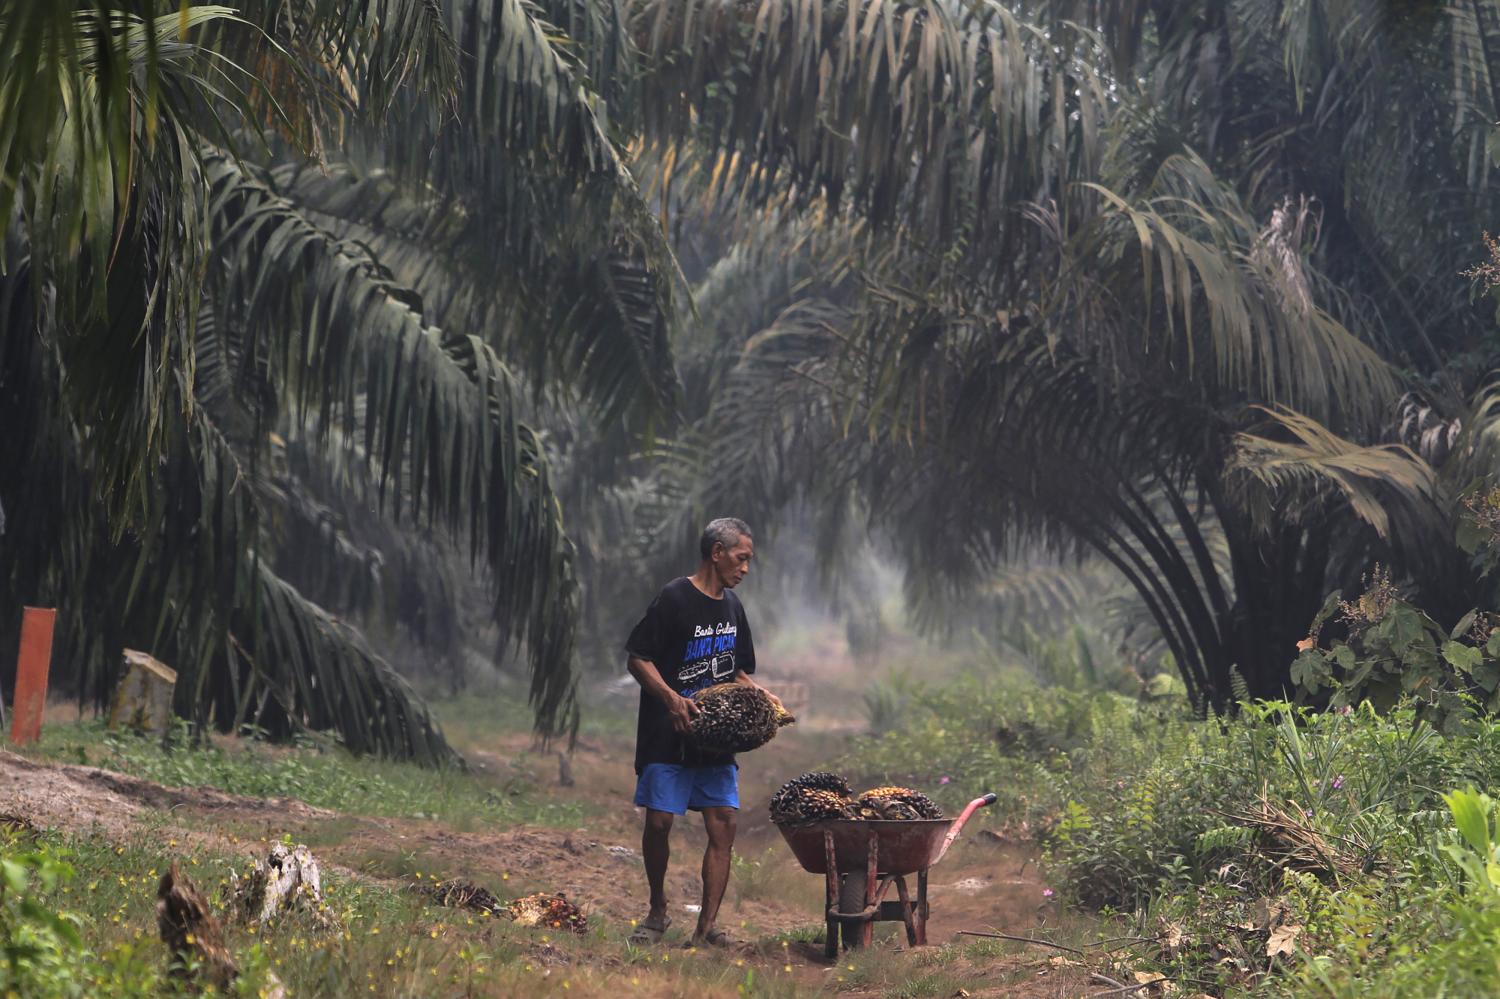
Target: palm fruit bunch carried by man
(735, 718)
(819, 796)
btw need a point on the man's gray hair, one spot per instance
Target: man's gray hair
(722, 531)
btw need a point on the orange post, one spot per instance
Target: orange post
(32, 666)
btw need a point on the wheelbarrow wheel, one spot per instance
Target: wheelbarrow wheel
(852, 899)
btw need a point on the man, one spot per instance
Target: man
(694, 634)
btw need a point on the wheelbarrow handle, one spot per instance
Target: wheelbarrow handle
(963, 816)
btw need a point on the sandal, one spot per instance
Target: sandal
(717, 937)
(648, 933)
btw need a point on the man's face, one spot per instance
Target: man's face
(733, 563)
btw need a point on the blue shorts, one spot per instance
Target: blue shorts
(666, 787)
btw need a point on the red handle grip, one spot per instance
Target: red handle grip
(963, 816)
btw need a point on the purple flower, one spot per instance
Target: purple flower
(945, 780)
(1346, 710)
(1046, 893)
(1307, 812)
(1338, 782)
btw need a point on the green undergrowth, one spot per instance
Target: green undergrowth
(1024, 742)
(1282, 852)
(77, 919)
(320, 774)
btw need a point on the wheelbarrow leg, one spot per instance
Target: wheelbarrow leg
(921, 914)
(906, 911)
(831, 937)
(867, 928)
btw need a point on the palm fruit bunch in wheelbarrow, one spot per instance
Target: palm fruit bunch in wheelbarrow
(818, 796)
(812, 797)
(735, 718)
(896, 803)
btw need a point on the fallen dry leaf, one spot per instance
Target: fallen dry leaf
(1283, 939)
(1263, 912)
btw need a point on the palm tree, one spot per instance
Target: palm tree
(184, 298)
(1110, 234)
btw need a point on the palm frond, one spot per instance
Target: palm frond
(937, 115)
(1219, 297)
(1309, 461)
(436, 413)
(325, 676)
(588, 316)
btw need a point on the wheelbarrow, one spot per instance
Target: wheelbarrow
(863, 858)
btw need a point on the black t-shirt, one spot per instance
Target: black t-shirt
(694, 641)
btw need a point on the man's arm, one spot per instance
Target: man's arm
(746, 680)
(679, 708)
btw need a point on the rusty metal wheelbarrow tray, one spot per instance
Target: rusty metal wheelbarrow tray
(904, 846)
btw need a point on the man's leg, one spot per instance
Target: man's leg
(720, 824)
(656, 850)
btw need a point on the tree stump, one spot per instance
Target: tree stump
(190, 931)
(287, 881)
(143, 697)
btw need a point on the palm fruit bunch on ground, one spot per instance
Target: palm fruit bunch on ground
(466, 895)
(897, 803)
(812, 797)
(549, 911)
(735, 718)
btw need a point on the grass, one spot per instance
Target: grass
(476, 717)
(387, 942)
(316, 773)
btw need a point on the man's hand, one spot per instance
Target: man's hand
(682, 711)
(743, 679)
